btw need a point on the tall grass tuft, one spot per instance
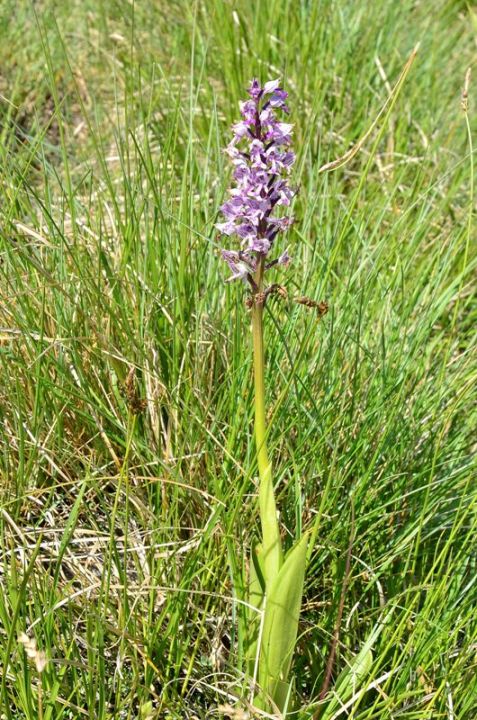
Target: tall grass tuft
(127, 458)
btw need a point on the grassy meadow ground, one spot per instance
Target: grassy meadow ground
(127, 464)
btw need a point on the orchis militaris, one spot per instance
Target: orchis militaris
(260, 153)
(262, 163)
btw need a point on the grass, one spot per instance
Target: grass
(128, 472)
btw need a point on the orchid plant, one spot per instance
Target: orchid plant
(262, 158)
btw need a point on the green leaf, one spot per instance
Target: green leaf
(256, 591)
(272, 545)
(280, 625)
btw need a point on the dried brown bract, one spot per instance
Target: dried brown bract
(321, 307)
(276, 289)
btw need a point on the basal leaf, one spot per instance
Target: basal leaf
(256, 591)
(280, 625)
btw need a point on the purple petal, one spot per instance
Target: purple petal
(285, 128)
(271, 86)
(246, 230)
(278, 99)
(284, 259)
(226, 228)
(232, 208)
(282, 223)
(240, 129)
(254, 89)
(238, 263)
(248, 110)
(259, 245)
(288, 159)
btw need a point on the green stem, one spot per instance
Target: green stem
(272, 548)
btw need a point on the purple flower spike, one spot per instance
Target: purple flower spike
(260, 153)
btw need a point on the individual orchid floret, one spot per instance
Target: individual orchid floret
(254, 90)
(241, 264)
(262, 158)
(271, 86)
(284, 259)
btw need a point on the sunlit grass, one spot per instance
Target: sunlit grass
(127, 461)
